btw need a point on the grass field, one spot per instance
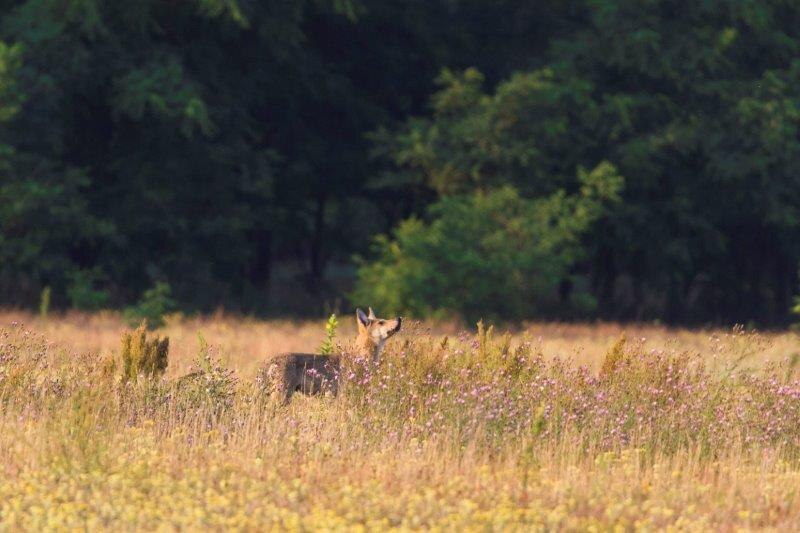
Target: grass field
(563, 427)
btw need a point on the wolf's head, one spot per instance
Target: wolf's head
(373, 331)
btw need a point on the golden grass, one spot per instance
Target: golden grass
(84, 452)
(244, 343)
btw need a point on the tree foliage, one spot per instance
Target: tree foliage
(167, 140)
(697, 108)
(487, 254)
(228, 146)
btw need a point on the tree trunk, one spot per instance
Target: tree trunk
(317, 266)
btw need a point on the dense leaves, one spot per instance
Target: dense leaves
(244, 151)
(490, 254)
(697, 107)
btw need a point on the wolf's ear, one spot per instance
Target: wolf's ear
(371, 315)
(361, 318)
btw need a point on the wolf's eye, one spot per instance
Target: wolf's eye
(380, 322)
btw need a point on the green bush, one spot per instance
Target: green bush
(154, 304)
(486, 254)
(82, 291)
(329, 344)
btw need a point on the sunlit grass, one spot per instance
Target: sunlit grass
(690, 430)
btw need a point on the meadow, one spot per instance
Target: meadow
(547, 427)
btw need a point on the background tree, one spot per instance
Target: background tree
(696, 107)
(228, 146)
(489, 254)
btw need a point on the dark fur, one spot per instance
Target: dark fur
(288, 373)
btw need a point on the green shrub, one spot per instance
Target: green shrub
(155, 303)
(796, 312)
(329, 344)
(82, 291)
(142, 356)
(485, 254)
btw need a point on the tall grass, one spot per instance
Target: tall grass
(470, 431)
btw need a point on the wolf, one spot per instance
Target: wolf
(287, 373)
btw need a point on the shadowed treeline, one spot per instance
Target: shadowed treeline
(562, 160)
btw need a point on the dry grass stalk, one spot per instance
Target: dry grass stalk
(142, 356)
